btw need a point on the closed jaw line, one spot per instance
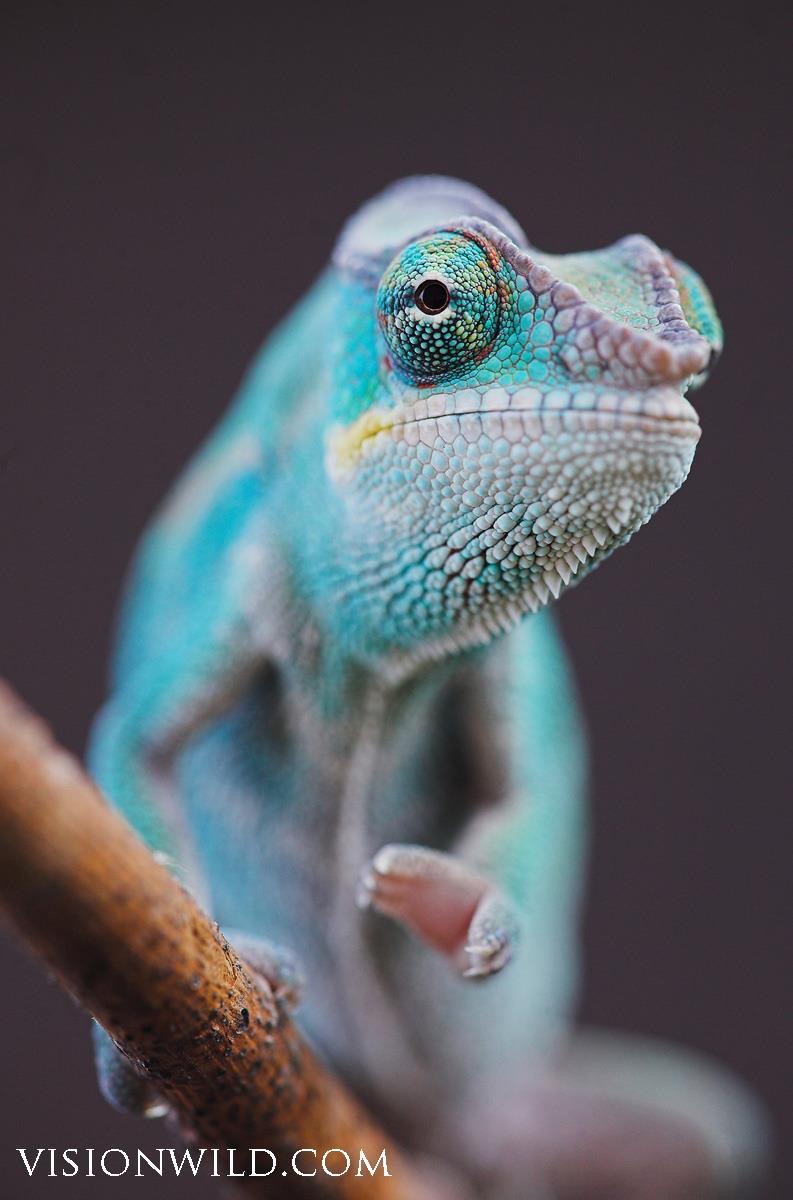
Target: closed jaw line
(524, 412)
(530, 411)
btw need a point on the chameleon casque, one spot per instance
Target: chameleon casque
(341, 710)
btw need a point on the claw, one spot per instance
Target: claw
(364, 890)
(487, 958)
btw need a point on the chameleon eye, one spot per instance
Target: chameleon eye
(432, 297)
(439, 308)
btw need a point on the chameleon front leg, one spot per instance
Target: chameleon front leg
(139, 733)
(445, 902)
(515, 868)
(136, 742)
(134, 745)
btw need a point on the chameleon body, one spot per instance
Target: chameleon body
(340, 706)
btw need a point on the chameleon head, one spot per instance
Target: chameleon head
(504, 418)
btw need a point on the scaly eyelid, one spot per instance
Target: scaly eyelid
(429, 342)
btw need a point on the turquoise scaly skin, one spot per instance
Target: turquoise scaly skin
(323, 648)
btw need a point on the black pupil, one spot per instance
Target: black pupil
(432, 296)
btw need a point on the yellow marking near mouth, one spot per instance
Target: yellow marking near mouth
(345, 442)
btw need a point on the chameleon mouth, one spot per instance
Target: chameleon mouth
(516, 415)
(531, 411)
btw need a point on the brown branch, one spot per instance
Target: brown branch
(135, 950)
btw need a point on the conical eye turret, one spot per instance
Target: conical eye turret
(439, 306)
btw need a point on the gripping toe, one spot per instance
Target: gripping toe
(121, 1085)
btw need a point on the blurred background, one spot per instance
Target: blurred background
(175, 176)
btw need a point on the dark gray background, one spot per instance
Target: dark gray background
(175, 176)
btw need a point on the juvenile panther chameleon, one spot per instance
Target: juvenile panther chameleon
(341, 710)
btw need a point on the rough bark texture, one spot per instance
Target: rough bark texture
(135, 950)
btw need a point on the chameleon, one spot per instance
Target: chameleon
(341, 712)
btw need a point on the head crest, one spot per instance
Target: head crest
(408, 208)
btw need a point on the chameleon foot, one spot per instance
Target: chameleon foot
(276, 965)
(444, 902)
(491, 938)
(120, 1083)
